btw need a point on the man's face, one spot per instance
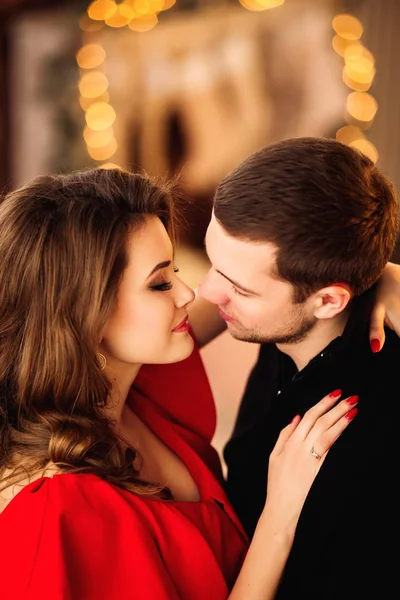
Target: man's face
(257, 306)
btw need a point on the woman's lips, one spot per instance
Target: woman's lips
(183, 326)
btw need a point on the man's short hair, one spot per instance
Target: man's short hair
(326, 206)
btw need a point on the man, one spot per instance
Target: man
(300, 233)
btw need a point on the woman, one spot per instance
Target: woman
(107, 492)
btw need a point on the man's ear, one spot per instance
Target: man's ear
(331, 300)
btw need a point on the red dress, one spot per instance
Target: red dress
(76, 537)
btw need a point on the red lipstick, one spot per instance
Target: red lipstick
(182, 326)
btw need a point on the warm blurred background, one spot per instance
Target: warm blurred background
(193, 87)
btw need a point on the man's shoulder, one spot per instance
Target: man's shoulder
(387, 360)
(392, 341)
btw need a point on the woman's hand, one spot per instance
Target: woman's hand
(298, 456)
(387, 306)
(293, 465)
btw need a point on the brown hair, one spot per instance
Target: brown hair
(62, 249)
(331, 213)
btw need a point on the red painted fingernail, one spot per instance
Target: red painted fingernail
(335, 394)
(375, 345)
(352, 400)
(351, 414)
(294, 418)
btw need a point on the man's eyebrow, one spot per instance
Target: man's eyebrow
(240, 287)
(159, 266)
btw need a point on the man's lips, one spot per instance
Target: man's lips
(183, 325)
(225, 316)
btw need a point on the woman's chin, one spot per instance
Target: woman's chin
(186, 347)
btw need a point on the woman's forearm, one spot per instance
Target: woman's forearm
(264, 563)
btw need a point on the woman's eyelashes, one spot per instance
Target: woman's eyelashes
(163, 286)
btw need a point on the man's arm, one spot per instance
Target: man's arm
(387, 307)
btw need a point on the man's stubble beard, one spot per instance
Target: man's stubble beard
(295, 334)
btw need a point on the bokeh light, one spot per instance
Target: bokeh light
(347, 26)
(367, 148)
(90, 56)
(99, 116)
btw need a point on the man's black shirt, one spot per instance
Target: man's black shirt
(350, 521)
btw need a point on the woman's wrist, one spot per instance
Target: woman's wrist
(276, 527)
(265, 559)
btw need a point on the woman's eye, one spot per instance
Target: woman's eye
(161, 287)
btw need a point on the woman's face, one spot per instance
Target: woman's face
(151, 304)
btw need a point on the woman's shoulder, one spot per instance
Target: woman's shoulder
(69, 509)
(71, 497)
(79, 533)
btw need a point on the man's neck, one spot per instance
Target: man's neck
(319, 337)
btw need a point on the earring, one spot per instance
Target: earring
(102, 361)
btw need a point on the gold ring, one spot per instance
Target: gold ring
(315, 454)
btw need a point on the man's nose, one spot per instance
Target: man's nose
(213, 288)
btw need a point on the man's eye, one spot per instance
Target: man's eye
(236, 291)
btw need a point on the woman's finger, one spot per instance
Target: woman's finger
(316, 425)
(322, 407)
(285, 434)
(325, 440)
(377, 327)
(320, 426)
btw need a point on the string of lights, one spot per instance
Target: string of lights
(142, 15)
(139, 16)
(358, 74)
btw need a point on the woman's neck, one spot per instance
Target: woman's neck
(122, 377)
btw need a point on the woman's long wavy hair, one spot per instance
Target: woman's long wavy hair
(62, 255)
